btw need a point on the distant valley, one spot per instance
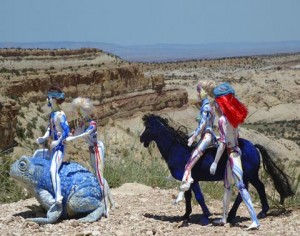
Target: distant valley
(171, 52)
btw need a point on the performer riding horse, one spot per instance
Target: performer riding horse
(172, 145)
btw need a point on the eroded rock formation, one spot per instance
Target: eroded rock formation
(98, 85)
(8, 121)
(118, 89)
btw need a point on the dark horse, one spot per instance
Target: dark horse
(172, 145)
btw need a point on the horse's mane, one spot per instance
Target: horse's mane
(180, 133)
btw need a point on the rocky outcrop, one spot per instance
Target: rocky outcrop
(8, 122)
(147, 101)
(98, 85)
(118, 92)
(19, 52)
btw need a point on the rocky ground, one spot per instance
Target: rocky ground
(142, 210)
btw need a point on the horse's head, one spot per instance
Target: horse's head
(151, 123)
(156, 126)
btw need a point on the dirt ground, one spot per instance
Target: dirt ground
(142, 210)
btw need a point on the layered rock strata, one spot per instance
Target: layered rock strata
(8, 122)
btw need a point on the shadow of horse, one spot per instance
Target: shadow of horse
(195, 219)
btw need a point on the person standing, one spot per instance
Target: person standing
(232, 113)
(87, 129)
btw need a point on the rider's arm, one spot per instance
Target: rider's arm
(47, 133)
(204, 119)
(219, 153)
(222, 144)
(202, 123)
(41, 140)
(87, 132)
(222, 127)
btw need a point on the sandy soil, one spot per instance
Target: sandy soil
(142, 210)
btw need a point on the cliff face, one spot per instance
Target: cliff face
(127, 106)
(98, 85)
(119, 89)
(8, 122)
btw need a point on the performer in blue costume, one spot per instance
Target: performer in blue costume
(58, 129)
(207, 138)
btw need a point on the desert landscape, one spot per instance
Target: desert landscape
(122, 93)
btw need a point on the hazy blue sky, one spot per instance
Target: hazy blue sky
(130, 22)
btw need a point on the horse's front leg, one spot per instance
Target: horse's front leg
(188, 205)
(200, 199)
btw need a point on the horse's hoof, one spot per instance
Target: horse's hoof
(185, 223)
(230, 218)
(261, 215)
(185, 218)
(204, 221)
(219, 222)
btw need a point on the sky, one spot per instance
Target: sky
(143, 22)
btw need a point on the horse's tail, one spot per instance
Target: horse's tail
(280, 179)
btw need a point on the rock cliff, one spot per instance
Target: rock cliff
(8, 121)
(118, 90)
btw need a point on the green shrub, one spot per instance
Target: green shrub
(128, 169)
(10, 191)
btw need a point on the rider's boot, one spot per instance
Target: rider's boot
(187, 180)
(179, 197)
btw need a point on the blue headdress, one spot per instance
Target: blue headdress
(56, 95)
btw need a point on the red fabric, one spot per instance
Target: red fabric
(97, 159)
(235, 111)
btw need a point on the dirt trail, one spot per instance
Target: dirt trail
(142, 210)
